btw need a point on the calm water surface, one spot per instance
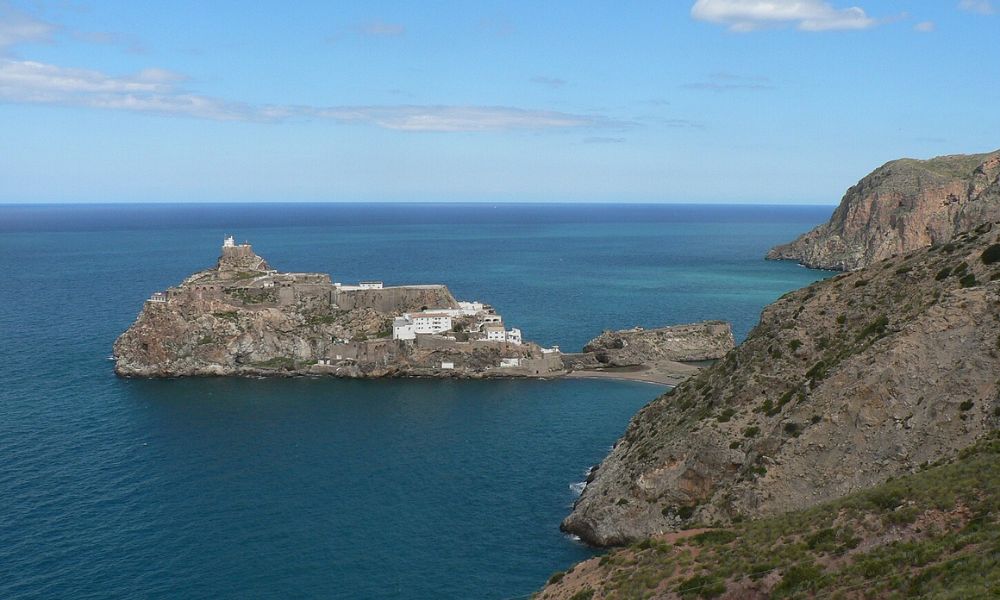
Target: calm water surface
(342, 489)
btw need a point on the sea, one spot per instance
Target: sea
(296, 488)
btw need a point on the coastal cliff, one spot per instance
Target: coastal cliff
(841, 386)
(708, 340)
(903, 205)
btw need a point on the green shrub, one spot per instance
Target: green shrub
(794, 345)
(968, 280)
(943, 274)
(967, 405)
(841, 319)
(703, 586)
(584, 594)
(860, 283)
(800, 578)
(715, 537)
(556, 577)
(751, 431)
(793, 429)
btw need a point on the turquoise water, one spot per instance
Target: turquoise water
(342, 489)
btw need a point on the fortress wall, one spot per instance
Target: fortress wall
(396, 299)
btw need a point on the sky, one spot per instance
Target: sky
(730, 101)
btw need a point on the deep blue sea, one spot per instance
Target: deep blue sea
(233, 488)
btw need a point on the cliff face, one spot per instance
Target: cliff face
(901, 206)
(842, 385)
(708, 340)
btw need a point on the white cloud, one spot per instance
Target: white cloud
(924, 26)
(17, 27)
(730, 82)
(155, 91)
(982, 7)
(806, 15)
(459, 118)
(381, 29)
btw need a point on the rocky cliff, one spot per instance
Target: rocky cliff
(901, 206)
(708, 340)
(841, 386)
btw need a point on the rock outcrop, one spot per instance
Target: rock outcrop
(708, 340)
(841, 386)
(902, 206)
(244, 318)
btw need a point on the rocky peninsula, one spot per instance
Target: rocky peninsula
(243, 318)
(903, 205)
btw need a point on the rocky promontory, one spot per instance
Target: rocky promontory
(903, 205)
(842, 385)
(242, 317)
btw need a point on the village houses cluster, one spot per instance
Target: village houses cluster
(480, 322)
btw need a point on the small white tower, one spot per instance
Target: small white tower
(229, 242)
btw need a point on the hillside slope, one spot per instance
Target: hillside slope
(901, 206)
(932, 534)
(842, 385)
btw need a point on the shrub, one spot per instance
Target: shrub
(725, 415)
(991, 255)
(793, 429)
(715, 537)
(904, 269)
(968, 280)
(841, 319)
(943, 274)
(794, 345)
(704, 586)
(556, 577)
(799, 578)
(967, 405)
(585, 594)
(860, 283)
(751, 431)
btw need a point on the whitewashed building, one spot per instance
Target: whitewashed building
(403, 329)
(495, 333)
(514, 336)
(470, 309)
(370, 285)
(429, 322)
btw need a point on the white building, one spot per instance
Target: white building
(370, 285)
(490, 319)
(495, 333)
(409, 325)
(403, 329)
(428, 322)
(229, 242)
(514, 337)
(158, 297)
(506, 363)
(470, 309)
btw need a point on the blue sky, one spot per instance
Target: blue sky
(671, 101)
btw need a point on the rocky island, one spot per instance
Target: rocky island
(242, 317)
(903, 205)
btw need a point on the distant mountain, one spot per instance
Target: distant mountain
(901, 206)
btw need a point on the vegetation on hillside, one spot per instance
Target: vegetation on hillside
(935, 533)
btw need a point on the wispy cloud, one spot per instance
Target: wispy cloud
(128, 43)
(729, 82)
(805, 15)
(982, 7)
(17, 27)
(157, 91)
(379, 28)
(461, 118)
(552, 82)
(603, 140)
(924, 26)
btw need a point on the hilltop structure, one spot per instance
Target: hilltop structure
(243, 317)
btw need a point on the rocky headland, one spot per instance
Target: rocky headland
(241, 317)
(842, 385)
(903, 205)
